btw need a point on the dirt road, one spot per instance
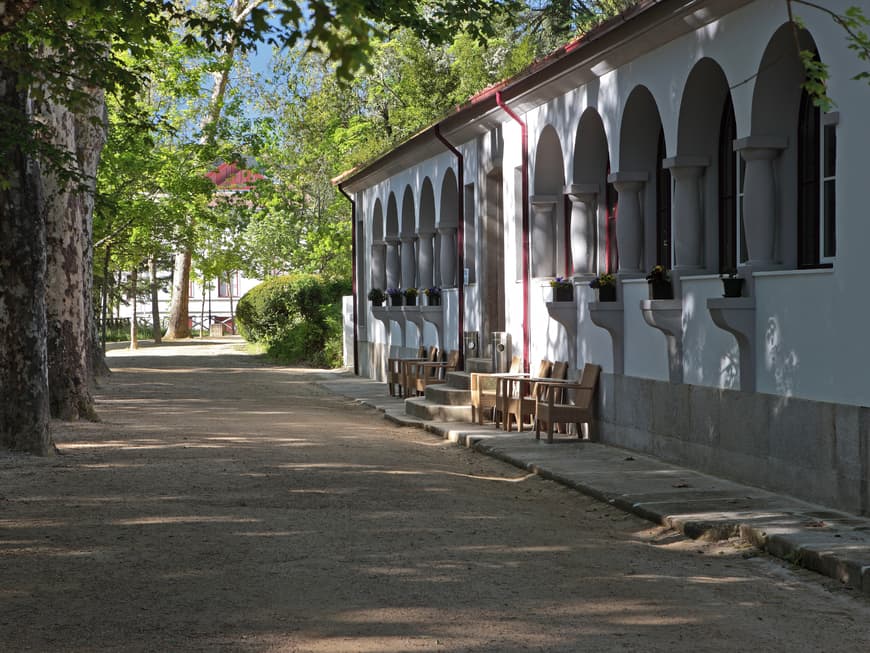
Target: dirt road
(226, 505)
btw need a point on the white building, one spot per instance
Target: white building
(679, 134)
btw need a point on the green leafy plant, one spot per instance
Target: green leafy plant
(560, 282)
(296, 317)
(603, 280)
(376, 295)
(658, 274)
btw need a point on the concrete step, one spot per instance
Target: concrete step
(424, 409)
(448, 396)
(478, 365)
(460, 380)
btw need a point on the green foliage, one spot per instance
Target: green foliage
(854, 24)
(297, 318)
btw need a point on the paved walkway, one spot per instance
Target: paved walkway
(698, 505)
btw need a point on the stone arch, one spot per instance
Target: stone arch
(777, 93)
(448, 221)
(699, 202)
(408, 239)
(643, 219)
(547, 237)
(377, 221)
(426, 235)
(378, 248)
(592, 196)
(393, 265)
(770, 200)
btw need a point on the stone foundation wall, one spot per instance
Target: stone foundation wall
(813, 450)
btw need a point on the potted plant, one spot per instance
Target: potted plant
(410, 296)
(659, 280)
(605, 284)
(563, 290)
(376, 295)
(395, 296)
(433, 296)
(732, 285)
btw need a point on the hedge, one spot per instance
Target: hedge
(296, 317)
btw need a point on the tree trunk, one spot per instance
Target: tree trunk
(69, 211)
(179, 320)
(24, 400)
(232, 309)
(134, 302)
(202, 311)
(91, 136)
(104, 300)
(240, 10)
(156, 327)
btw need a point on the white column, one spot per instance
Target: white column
(379, 264)
(584, 205)
(426, 259)
(448, 256)
(409, 262)
(629, 219)
(760, 196)
(393, 266)
(687, 220)
(543, 235)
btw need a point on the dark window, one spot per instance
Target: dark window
(829, 181)
(809, 173)
(663, 207)
(727, 189)
(224, 288)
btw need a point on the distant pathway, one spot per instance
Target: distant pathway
(226, 505)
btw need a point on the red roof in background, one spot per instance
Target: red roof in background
(230, 176)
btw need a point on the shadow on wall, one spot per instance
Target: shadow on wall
(781, 363)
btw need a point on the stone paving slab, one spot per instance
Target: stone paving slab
(698, 505)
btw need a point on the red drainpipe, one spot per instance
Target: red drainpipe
(460, 238)
(525, 174)
(353, 279)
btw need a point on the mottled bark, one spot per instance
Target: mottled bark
(156, 328)
(91, 128)
(179, 322)
(24, 399)
(69, 210)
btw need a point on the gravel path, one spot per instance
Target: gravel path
(226, 505)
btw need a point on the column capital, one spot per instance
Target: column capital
(544, 201)
(628, 181)
(582, 192)
(686, 166)
(445, 229)
(408, 238)
(753, 148)
(425, 234)
(392, 240)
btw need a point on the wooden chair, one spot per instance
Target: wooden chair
(550, 409)
(519, 392)
(394, 372)
(484, 390)
(409, 370)
(396, 369)
(430, 373)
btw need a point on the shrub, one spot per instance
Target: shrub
(296, 317)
